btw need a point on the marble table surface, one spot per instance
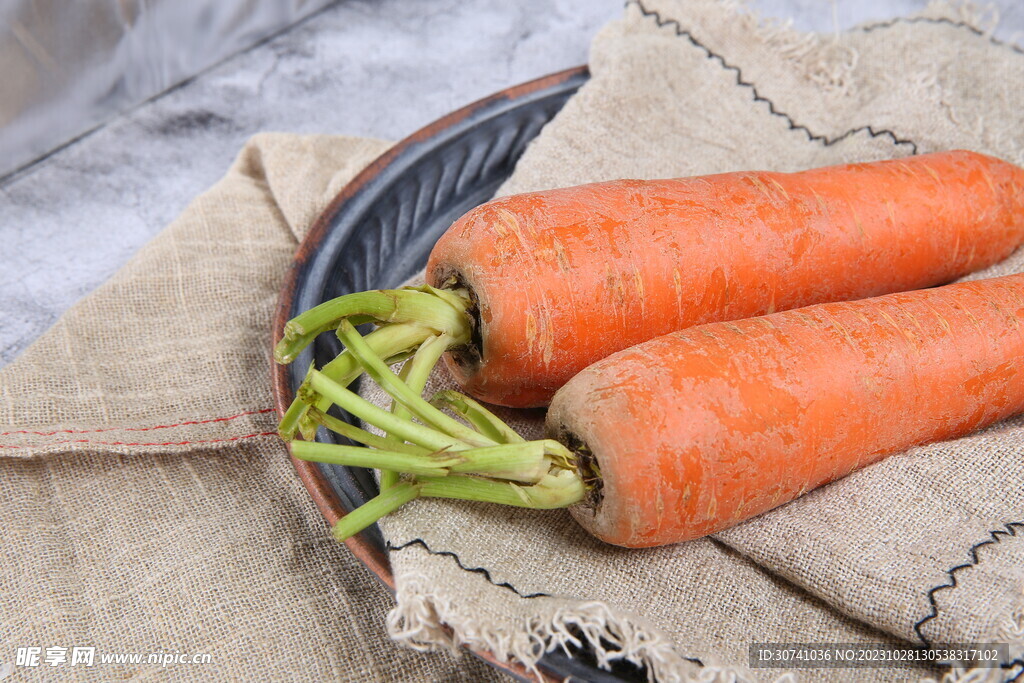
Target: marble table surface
(379, 68)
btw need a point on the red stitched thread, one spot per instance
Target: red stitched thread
(168, 443)
(139, 429)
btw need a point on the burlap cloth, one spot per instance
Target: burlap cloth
(149, 507)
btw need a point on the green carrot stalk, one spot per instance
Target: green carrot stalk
(415, 374)
(435, 311)
(428, 453)
(401, 392)
(482, 419)
(406, 319)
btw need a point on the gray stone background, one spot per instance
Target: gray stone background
(380, 68)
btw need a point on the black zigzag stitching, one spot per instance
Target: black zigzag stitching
(476, 570)
(758, 97)
(487, 575)
(942, 20)
(1014, 677)
(994, 537)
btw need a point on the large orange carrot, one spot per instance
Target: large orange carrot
(701, 429)
(530, 289)
(690, 433)
(564, 278)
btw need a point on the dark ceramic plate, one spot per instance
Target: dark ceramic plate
(378, 233)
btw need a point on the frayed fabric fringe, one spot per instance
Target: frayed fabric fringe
(424, 619)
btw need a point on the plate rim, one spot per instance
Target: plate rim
(316, 484)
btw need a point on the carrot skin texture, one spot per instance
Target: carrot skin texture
(566, 277)
(701, 429)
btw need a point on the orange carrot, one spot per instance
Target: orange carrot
(692, 432)
(563, 278)
(701, 429)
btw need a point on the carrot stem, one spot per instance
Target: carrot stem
(406, 317)
(385, 342)
(424, 306)
(418, 434)
(432, 464)
(364, 437)
(558, 490)
(484, 420)
(439, 456)
(415, 374)
(363, 516)
(392, 342)
(525, 463)
(538, 474)
(398, 390)
(389, 478)
(425, 360)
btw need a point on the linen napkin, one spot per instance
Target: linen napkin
(923, 548)
(149, 507)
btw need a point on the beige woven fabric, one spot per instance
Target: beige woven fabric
(924, 547)
(147, 505)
